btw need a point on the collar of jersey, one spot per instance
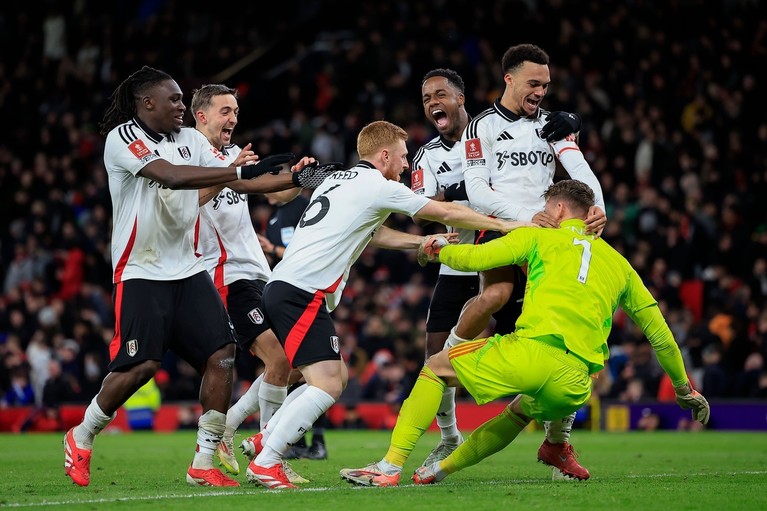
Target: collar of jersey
(574, 223)
(447, 144)
(152, 134)
(508, 114)
(366, 164)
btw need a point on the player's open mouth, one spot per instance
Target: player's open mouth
(440, 117)
(227, 131)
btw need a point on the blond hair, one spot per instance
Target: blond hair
(376, 136)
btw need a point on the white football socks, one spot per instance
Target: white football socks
(446, 419)
(247, 405)
(275, 420)
(94, 421)
(558, 431)
(270, 398)
(296, 418)
(210, 430)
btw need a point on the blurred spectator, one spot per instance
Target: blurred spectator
(20, 391)
(59, 389)
(714, 377)
(673, 126)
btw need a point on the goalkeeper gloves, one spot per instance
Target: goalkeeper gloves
(456, 192)
(271, 164)
(687, 398)
(428, 250)
(559, 125)
(312, 175)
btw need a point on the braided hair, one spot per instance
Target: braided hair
(133, 88)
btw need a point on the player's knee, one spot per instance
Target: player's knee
(143, 372)
(279, 370)
(494, 297)
(440, 364)
(222, 360)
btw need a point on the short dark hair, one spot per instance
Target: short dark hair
(578, 195)
(452, 77)
(521, 53)
(201, 97)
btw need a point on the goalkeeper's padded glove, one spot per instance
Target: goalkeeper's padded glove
(456, 191)
(312, 175)
(559, 125)
(428, 250)
(269, 165)
(687, 397)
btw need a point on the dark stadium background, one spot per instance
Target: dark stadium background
(671, 93)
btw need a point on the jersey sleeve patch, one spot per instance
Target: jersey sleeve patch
(416, 180)
(473, 149)
(139, 150)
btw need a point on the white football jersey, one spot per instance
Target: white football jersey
(226, 239)
(507, 165)
(153, 226)
(337, 225)
(436, 166)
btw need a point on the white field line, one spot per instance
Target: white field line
(342, 487)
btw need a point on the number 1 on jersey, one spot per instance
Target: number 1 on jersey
(583, 273)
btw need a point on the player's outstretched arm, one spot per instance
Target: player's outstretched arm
(654, 326)
(386, 237)
(449, 213)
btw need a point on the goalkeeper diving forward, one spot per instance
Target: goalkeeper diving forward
(575, 283)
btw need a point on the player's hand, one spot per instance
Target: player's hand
(428, 250)
(595, 221)
(559, 125)
(689, 398)
(456, 191)
(312, 175)
(271, 164)
(543, 219)
(246, 157)
(508, 225)
(303, 162)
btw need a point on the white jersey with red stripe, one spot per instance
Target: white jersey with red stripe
(226, 239)
(344, 213)
(507, 165)
(153, 226)
(437, 165)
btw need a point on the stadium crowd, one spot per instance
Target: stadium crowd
(673, 126)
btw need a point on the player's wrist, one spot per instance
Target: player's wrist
(239, 172)
(683, 390)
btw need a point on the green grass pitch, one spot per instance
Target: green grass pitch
(664, 471)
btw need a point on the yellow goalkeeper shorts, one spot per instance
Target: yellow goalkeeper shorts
(554, 383)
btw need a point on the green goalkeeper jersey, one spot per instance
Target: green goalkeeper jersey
(574, 284)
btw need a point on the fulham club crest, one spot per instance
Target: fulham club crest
(185, 152)
(334, 343)
(132, 347)
(256, 316)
